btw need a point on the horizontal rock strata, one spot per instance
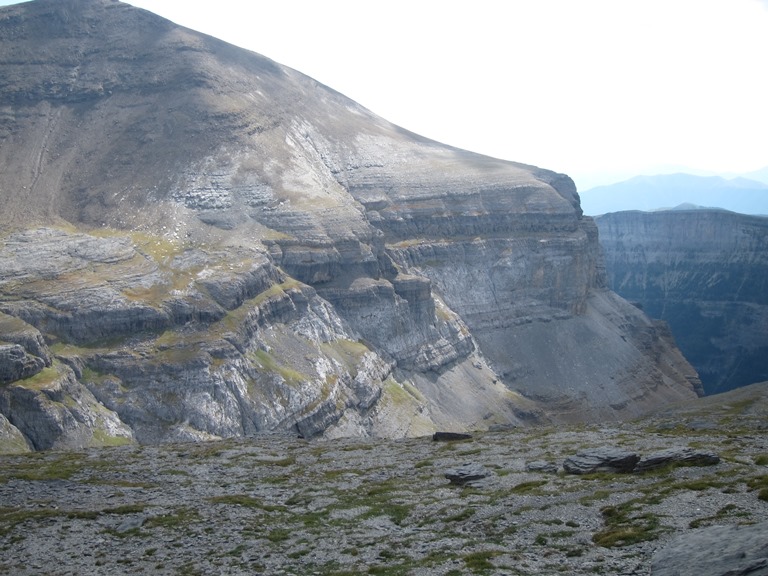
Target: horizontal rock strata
(705, 272)
(211, 244)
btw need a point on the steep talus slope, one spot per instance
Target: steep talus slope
(211, 244)
(706, 273)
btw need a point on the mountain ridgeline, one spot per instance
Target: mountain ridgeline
(198, 242)
(747, 195)
(705, 272)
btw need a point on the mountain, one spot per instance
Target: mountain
(646, 193)
(705, 272)
(198, 242)
(760, 175)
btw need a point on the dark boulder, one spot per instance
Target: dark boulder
(466, 473)
(450, 436)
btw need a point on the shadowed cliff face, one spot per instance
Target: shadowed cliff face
(706, 273)
(213, 245)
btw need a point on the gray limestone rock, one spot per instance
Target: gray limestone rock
(268, 255)
(16, 331)
(715, 551)
(676, 456)
(466, 473)
(16, 364)
(542, 466)
(11, 439)
(131, 524)
(58, 412)
(704, 272)
(605, 459)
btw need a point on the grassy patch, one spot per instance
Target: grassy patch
(269, 363)
(11, 517)
(102, 438)
(36, 467)
(759, 483)
(626, 524)
(389, 570)
(401, 394)
(347, 352)
(481, 560)
(396, 512)
(126, 509)
(234, 318)
(180, 517)
(761, 459)
(528, 487)
(279, 535)
(461, 516)
(245, 501)
(42, 380)
(729, 510)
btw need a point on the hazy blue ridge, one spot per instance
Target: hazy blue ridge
(666, 191)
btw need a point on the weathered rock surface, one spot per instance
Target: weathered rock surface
(716, 551)
(542, 466)
(603, 459)
(55, 411)
(608, 459)
(466, 474)
(23, 352)
(216, 245)
(16, 331)
(677, 456)
(705, 272)
(16, 364)
(276, 503)
(11, 438)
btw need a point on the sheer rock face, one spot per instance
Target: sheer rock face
(217, 245)
(705, 272)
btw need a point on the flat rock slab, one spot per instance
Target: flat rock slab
(467, 473)
(542, 466)
(677, 456)
(601, 460)
(450, 436)
(716, 551)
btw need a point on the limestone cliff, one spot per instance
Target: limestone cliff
(705, 272)
(213, 244)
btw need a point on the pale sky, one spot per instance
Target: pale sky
(598, 89)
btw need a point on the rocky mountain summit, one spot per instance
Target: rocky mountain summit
(199, 243)
(705, 272)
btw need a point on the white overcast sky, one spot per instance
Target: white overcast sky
(598, 89)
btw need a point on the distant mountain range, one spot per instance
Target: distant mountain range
(739, 194)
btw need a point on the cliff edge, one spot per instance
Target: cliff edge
(705, 272)
(199, 243)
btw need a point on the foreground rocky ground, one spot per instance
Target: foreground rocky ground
(280, 505)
